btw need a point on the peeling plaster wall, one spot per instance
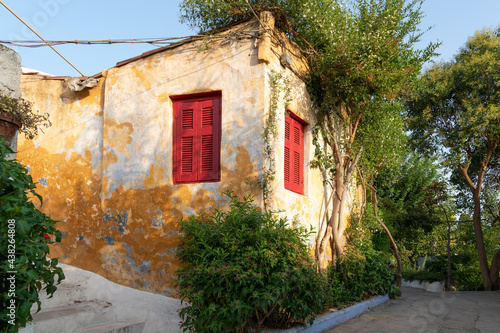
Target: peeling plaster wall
(10, 76)
(105, 166)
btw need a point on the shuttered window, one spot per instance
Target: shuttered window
(196, 138)
(294, 154)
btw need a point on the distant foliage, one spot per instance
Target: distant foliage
(410, 198)
(23, 245)
(465, 269)
(245, 268)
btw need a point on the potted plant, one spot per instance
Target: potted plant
(17, 114)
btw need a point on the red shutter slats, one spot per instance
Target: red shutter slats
(187, 121)
(186, 155)
(207, 153)
(296, 134)
(207, 114)
(294, 155)
(296, 169)
(197, 139)
(287, 167)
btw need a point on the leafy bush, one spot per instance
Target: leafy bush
(245, 268)
(363, 270)
(465, 271)
(23, 246)
(359, 275)
(422, 275)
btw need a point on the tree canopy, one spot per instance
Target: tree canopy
(456, 112)
(362, 57)
(411, 199)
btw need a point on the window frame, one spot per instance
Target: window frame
(198, 131)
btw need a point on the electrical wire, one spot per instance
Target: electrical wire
(152, 41)
(34, 43)
(40, 36)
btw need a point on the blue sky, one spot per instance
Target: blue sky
(452, 20)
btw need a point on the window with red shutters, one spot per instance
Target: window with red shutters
(294, 154)
(196, 138)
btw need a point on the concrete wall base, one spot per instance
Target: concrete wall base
(330, 320)
(435, 287)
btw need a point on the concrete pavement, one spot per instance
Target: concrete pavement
(420, 311)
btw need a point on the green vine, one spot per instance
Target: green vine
(280, 84)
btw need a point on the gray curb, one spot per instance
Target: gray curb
(323, 323)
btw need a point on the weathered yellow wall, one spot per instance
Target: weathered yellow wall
(105, 166)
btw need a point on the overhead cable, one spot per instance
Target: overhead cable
(153, 41)
(40, 36)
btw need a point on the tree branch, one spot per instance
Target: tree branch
(399, 276)
(463, 171)
(335, 145)
(355, 129)
(491, 146)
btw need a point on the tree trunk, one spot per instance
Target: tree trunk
(478, 234)
(344, 168)
(448, 251)
(495, 271)
(490, 281)
(333, 235)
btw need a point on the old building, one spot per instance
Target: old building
(162, 136)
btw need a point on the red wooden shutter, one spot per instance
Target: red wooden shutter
(184, 142)
(196, 139)
(294, 155)
(288, 148)
(209, 132)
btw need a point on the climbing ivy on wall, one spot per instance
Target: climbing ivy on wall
(279, 84)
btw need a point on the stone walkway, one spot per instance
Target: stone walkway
(427, 312)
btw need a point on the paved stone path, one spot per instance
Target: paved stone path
(427, 312)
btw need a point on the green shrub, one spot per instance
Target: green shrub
(23, 245)
(465, 271)
(422, 275)
(245, 268)
(358, 276)
(363, 270)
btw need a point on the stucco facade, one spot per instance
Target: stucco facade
(10, 74)
(105, 166)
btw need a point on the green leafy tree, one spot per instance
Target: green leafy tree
(361, 56)
(409, 202)
(457, 113)
(25, 234)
